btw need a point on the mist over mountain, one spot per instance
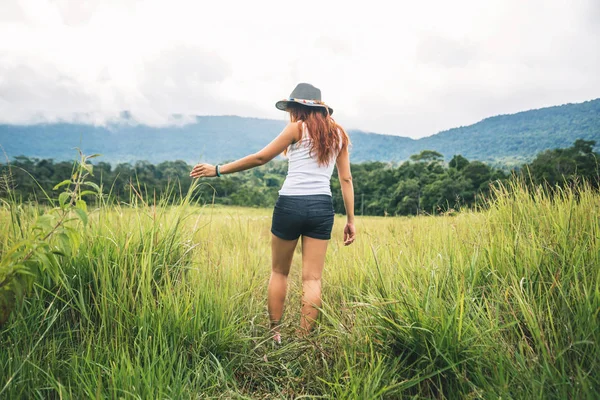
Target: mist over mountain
(506, 139)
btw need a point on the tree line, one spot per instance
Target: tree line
(422, 184)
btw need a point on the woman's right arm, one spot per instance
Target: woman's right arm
(345, 176)
(289, 135)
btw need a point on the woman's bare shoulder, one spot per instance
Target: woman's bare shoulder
(295, 128)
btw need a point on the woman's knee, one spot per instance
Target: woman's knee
(280, 271)
(308, 277)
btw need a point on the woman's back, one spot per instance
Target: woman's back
(305, 176)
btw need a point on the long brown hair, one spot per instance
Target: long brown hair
(323, 131)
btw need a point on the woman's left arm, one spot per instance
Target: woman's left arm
(288, 136)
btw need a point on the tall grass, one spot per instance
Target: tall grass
(170, 302)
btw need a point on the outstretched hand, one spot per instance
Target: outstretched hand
(206, 170)
(349, 234)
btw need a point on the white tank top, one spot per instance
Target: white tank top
(305, 176)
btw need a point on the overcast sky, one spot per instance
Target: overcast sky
(400, 67)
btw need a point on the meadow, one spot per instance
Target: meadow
(169, 301)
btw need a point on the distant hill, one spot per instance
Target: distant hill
(521, 136)
(500, 139)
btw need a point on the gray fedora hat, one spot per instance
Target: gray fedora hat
(305, 94)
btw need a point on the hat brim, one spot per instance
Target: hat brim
(283, 104)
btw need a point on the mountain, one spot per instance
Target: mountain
(500, 139)
(521, 136)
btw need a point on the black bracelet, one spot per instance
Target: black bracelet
(218, 172)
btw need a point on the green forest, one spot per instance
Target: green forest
(425, 184)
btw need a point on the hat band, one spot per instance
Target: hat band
(306, 101)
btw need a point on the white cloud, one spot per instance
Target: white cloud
(393, 67)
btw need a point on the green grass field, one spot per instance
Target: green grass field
(170, 302)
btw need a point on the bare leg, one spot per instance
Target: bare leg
(282, 252)
(313, 260)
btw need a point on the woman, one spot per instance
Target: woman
(313, 141)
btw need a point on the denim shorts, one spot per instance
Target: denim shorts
(310, 215)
